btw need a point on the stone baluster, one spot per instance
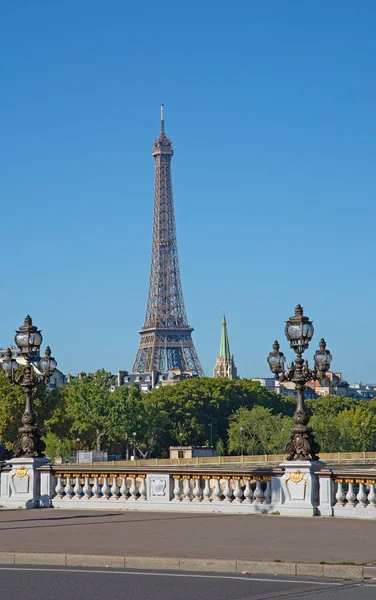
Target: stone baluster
(77, 488)
(217, 493)
(105, 488)
(68, 488)
(59, 487)
(340, 494)
(197, 491)
(371, 494)
(134, 489)
(248, 492)
(115, 488)
(207, 490)
(258, 493)
(124, 488)
(361, 495)
(238, 492)
(227, 492)
(187, 489)
(96, 489)
(143, 489)
(178, 491)
(268, 492)
(350, 496)
(87, 487)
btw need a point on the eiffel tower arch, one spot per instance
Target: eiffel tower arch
(166, 338)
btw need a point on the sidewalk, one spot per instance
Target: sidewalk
(227, 537)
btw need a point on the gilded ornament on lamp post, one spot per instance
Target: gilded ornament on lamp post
(299, 332)
(29, 339)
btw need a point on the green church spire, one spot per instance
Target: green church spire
(225, 365)
(224, 350)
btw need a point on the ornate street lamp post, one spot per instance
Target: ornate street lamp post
(242, 440)
(29, 339)
(211, 434)
(363, 446)
(299, 332)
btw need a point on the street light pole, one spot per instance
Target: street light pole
(299, 332)
(181, 444)
(78, 450)
(134, 445)
(242, 440)
(29, 339)
(362, 426)
(211, 434)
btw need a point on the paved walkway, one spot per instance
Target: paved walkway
(232, 537)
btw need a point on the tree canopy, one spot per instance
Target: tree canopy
(242, 416)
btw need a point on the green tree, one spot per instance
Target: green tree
(330, 405)
(353, 433)
(191, 405)
(151, 426)
(327, 431)
(57, 448)
(94, 408)
(135, 412)
(258, 431)
(220, 449)
(125, 415)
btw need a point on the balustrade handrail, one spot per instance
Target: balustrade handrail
(353, 474)
(223, 460)
(110, 469)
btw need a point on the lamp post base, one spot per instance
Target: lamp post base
(21, 484)
(303, 446)
(298, 488)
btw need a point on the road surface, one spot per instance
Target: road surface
(43, 583)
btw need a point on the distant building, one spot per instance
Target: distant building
(225, 365)
(190, 451)
(287, 388)
(152, 380)
(57, 379)
(332, 385)
(268, 382)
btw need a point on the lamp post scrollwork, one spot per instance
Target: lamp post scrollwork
(299, 332)
(28, 339)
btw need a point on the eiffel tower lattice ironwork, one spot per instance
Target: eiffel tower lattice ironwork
(166, 338)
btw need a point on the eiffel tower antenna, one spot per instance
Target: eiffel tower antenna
(166, 338)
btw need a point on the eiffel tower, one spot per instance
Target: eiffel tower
(166, 338)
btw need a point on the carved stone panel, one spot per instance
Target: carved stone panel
(159, 487)
(20, 480)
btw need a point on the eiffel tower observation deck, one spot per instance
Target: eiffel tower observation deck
(166, 338)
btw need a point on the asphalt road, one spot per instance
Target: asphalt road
(36, 583)
(182, 535)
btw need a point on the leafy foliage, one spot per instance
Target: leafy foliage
(195, 403)
(258, 431)
(57, 448)
(107, 418)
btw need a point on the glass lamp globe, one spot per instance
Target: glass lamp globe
(28, 338)
(47, 364)
(299, 330)
(322, 359)
(9, 365)
(276, 359)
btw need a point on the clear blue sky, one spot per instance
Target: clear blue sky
(271, 110)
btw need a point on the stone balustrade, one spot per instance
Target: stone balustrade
(354, 494)
(297, 488)
(180, 490)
